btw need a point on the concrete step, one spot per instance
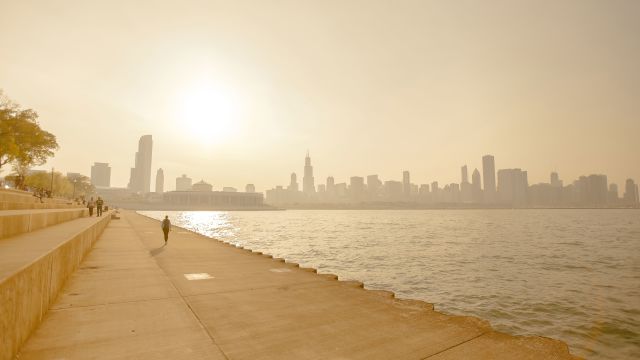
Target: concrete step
(36, 205)
(33, 268)
(18, 196)
(16, 222)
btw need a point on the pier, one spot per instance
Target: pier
(94, 288)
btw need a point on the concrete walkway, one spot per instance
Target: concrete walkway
(198, 298)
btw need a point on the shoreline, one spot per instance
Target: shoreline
(378, 291)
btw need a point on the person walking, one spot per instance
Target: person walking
(99, 204)
(91, 204)
(166, 227)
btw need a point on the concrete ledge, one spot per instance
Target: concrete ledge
(27, 197)
(16, 222)
(36, 205)
(27, 294)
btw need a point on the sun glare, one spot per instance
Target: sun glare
(209, 115)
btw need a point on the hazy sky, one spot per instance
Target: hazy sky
(236, 91)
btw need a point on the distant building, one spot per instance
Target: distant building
(455, 196)
(393, 190)
(341, 190)
(435, 192)
(489, 178)
(160, 181)
(597, 190)
(250, 188)
(140, 177)
(612, 195)
(466, 190)
(631, 193)
(464, 177)
(512, 187)
(555, 180)
(331, 187)
(356, 188)
(202, 186)
(183, 183)
(406, 184)
(229, 189)
(213, 199)
(293, 184)
(101, 174)
(374, 186)
(308, 183)
(476, 187)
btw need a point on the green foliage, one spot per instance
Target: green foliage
(62, 186)
(21, 138)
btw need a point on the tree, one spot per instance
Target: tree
(21, 138)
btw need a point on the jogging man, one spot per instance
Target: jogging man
(166, 227)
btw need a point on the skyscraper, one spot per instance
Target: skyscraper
(373, 186)
(512, 187)
(466, 191)
(356, 188)
(101, 174)
(489, 178)
(293, 184)
(464, 175)
(630, 193)
(183, 183)
(555, 180)
(406, 184)
(160, 181)
(140, 178)
(476, 187)
(308, 184)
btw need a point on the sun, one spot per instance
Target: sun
(209, 115)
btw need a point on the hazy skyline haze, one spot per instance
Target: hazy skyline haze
(236, 92)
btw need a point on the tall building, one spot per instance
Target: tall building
(250, 188)
(464, 175)
(140, 177)
(512, 187)
(183, 183)
(489, 178)
(476, 187)
(630, 193)
(356, 188)
(373, 186)
(393, 190)
(466, 190)
(160, 181)
(331, 186)
(435, 192)
(308, 184)
(612, 195)
(101, 174)
(597, 190)
(555, 180)
(406, 184)
(293, 184)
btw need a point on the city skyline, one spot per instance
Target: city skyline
(497, 187)
(231, 93)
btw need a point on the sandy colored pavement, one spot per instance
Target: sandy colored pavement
(132, 299)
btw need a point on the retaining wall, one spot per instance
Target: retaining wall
(27, 294)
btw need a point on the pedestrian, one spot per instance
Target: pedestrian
(91, 204)
(166, 227)
(99, 204)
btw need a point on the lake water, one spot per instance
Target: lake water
(572, 275)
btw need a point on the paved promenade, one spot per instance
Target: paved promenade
(198, 298)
